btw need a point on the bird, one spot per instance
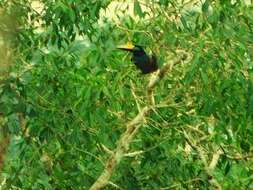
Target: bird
(146, 63)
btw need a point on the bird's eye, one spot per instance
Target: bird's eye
(137, 48)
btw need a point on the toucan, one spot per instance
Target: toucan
(146, 63)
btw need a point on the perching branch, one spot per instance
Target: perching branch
(160, 74)
(121, 149)
(131, 129)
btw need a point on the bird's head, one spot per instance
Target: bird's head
(135, 49)
(147, 64)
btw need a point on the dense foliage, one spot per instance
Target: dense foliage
(66, 92)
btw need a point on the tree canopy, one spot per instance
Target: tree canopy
(76, 114)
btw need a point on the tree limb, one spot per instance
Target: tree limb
(132, 128)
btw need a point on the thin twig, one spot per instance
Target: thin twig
(107, 150)
(132, 154)
(180, 184)
(135, 97)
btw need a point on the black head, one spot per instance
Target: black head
(138, 50)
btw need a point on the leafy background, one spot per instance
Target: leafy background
(66, 92)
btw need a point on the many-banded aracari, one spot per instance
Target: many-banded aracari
(147, 64)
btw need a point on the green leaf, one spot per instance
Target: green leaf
(184, 22)
(204, 76)
(205, 6)
(137, 9)
(164, 2)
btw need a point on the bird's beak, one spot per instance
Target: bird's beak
(126, 47)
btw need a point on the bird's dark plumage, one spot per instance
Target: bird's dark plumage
(147, 64)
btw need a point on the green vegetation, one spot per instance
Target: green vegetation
(67, 95)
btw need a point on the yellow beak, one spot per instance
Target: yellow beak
(128, 46)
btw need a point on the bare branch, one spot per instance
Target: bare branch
(160, 74)
(215, 160)
(122, 147)
(208, 168)
(131, 129)
(107, 150)
(132, 154)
